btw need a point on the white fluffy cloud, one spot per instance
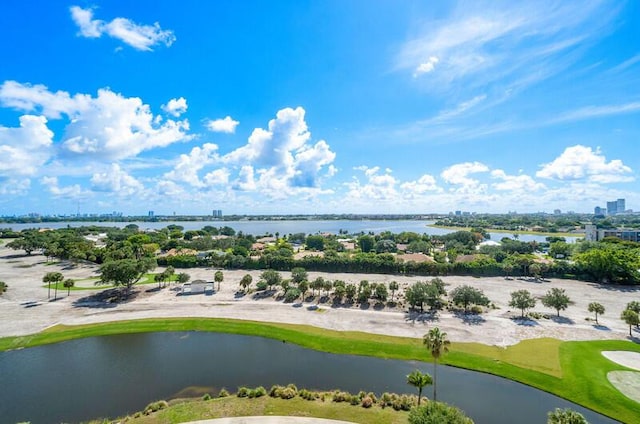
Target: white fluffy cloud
(459, 173)
(424, 184)
(225, 125)
(69, 192)
(188, 166)
(378, 186)
(279, 161)
(176, 107)
(14, 186)
(583, 163)
(140, 37)
(26, 148)
(520, 183)
(108, 126)
(117, 181)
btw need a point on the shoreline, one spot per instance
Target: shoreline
(492, 230)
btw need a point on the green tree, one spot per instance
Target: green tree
(350, 292)
(597, 308)
(634, 305)
(3, 287)
(466, 295)
(565, 416)
(419, 381)
(160, 278)
(381, 294)
(299, 274)
(631, 318)
(183, 277)
(303, 286)
(271, 278)
(315, 243)
(68, 283)
(438, 413)
(366, 243)
(339, 292)
(437, 344)
(522, 300)
(536, 270)
(125, 272)
(245, 282)
(52, 277)
(218, 277)
(393, 286)
(557, 299)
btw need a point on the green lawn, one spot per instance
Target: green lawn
(573, 370)
(146, 279)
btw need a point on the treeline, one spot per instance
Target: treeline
(457, 253)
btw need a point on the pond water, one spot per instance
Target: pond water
(115, 375)
(288, 227)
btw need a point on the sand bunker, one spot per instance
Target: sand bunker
(628, 382)
(624, 358)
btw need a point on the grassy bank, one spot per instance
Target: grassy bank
(573, 370)
(493, 230)
(184, 411)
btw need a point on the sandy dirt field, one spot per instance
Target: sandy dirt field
(24, 275)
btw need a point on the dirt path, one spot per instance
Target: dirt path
(24, 275)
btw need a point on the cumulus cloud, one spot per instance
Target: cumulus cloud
(140, 37)
(108, 126)
(69, 192)
(14, 186)
(459, 173)
(519, 183)
(583, 163)
(225, 125)
(26, 148)
(424, 184)
(176, 107)
(279, 160)
(116, 181)
(378, 186)
(188, 166)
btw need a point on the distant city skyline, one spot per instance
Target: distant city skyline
(299, 107)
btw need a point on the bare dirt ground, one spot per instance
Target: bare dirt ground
(25, 308)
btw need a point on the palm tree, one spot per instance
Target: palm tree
(437, 343)
(419, 380)
(68, 283)
(218, 278)
(52, 277)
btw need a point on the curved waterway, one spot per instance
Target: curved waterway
(115, 375)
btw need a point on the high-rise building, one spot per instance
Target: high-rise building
(620, 206)
(612, 208)
(151, 213)
(599, 211)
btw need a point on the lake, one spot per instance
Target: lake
(112, 376)
(288, 227)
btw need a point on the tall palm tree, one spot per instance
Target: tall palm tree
(419, 380)
(437, 343)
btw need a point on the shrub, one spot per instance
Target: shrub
(243, 392)
(438, 413)
(291, 295)
(361, 394)
(367, 402)
(261, 286)
(355, 400)
(259, 392)
(155, 406)
(223, 393)
(373, 397)
(287, 393)
(341, 396)
(292, 387)
(275, 390)
(206, 396)
(386, 399)
(475, 309)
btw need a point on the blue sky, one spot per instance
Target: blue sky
(318, 106)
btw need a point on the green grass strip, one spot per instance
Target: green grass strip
(493, 230)
(573, 370)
